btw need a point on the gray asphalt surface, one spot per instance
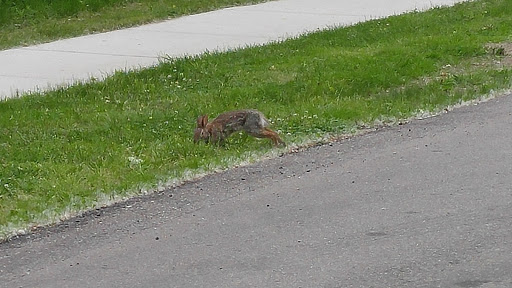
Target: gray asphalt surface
(425, 204)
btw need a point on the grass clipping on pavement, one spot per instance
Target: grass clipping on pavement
(81, 147)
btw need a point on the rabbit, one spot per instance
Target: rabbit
(253, 122)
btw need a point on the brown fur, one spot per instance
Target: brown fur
(253, 122)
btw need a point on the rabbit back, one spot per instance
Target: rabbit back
(253, 122)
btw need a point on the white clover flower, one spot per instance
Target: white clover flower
(135, 160)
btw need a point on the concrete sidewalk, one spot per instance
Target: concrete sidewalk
(63, 62)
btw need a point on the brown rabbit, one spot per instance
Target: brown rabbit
(253, 122)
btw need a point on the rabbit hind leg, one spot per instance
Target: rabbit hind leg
(272, 135)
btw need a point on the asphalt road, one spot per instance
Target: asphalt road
(425, 204)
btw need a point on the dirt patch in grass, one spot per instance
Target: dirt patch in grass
(498, 57)
(503, 52)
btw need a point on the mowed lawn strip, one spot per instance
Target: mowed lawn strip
(79, 147)
(28, 22)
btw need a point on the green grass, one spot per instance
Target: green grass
(70, 149)
(27, 22)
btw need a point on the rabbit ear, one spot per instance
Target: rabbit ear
(202, 121)
(205, 120)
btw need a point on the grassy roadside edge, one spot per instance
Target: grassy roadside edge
(11, 231)
(361, 128)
